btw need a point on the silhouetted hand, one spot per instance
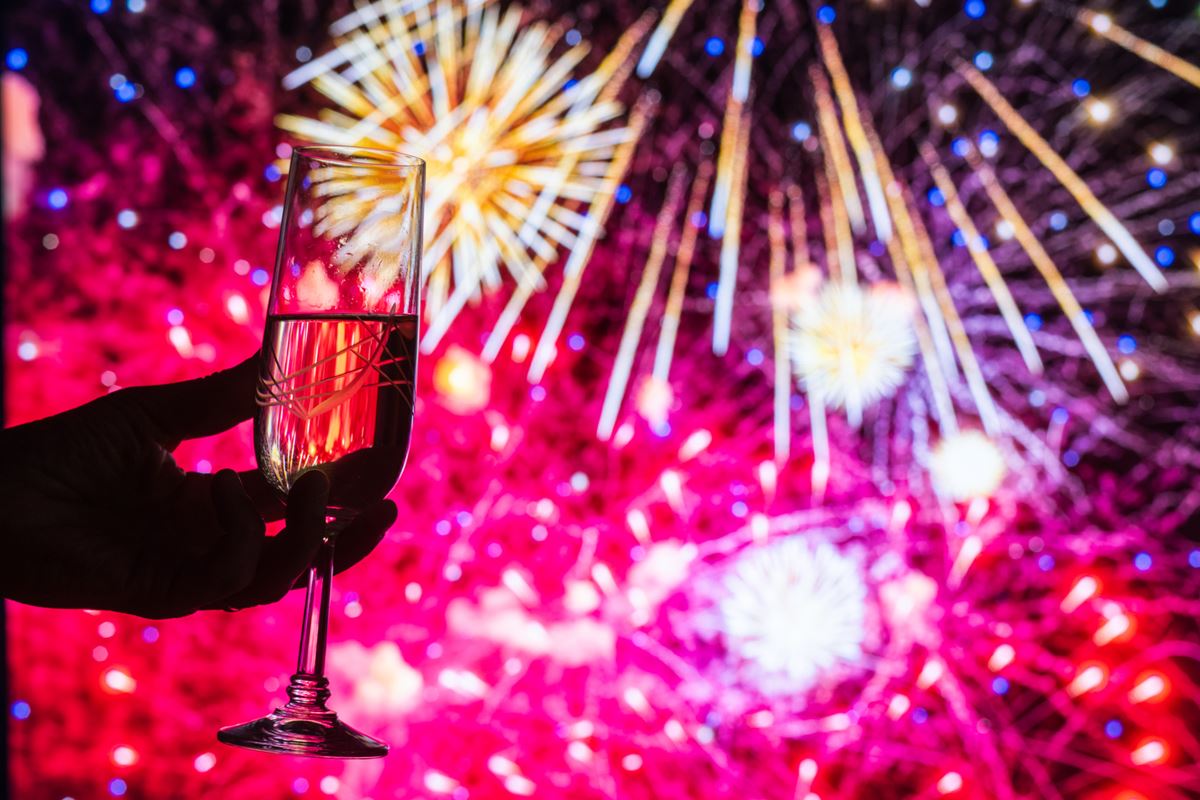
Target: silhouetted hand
(94, 512)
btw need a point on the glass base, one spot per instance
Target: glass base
(304, 727)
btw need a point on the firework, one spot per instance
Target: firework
(852, 347)
(513, 144)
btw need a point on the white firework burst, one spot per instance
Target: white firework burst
(851, 347)
(795, 610)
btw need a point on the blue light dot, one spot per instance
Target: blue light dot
(826, 15)
(1037, 398)
(960, 147)
(1045, 562)
(959, 239)
(1070, 458)
(1113, 729)
(711, 291)
(21, 710)
(756, 47)
(739, 508)
(984, 60)
(1166, 227)
(754, 357)
(575, 342)
(185, 77)
(1158, 3)
(1194, 223)
(303, 53)
(259, 277)
(272, 173)
(419, 48)
(573, 37)
(1089, 316)
(714, 47)
(442, 527)
(538, 393)
(136, 6)
(699, 219)
(57, 198)
(1000, 685)
(975, 8)
(570, 84)
(624, 194)
(127, 218)
(1156, 178)
(175, 317)
(1126, 343)
(116, 787)
(177, 240)
(1194, 559)
(150, 634)
(1081, 88)
(1165, 256)
(17, 58)
(662, 430)
(902, 77)
(920, 715)
(1058, 221)
(101, 6)
(300, 786)
(1033, 322)
(989, 136)
(1143, 562)
(463, 517)
(935, 197)
(802, 130)
(125, 92)
(1060, 416)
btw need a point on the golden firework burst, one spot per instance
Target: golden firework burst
(515, 147)
(852, 346)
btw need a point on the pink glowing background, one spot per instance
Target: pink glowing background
(674, 612)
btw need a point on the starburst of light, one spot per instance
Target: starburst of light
(967, 465)
(852, 346)
(516, 147)
(794, 610)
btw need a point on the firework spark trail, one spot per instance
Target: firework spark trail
(833, 141)
(826, 198)
(597, 215)
(855, 132)
(983, 260)
(679, 278)
(657, 44)
(801, 259)
(782, 431)
(1116, 230)
(1103, 24)
(725, 216)
(635, 318)
(731, 244)
(1050, 272)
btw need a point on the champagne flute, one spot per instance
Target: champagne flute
(336, 386)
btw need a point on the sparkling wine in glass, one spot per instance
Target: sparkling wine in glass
(336, 384)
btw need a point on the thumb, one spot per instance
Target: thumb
(196, 408)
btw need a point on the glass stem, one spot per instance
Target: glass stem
(309, 689)
(311, 659)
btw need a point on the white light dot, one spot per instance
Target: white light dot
(207, 255)
(412, 592)
(27, 351)
(1162, 154)
(632, 762)
(99, 653)
(1004, 230)
(127, 218)
(108, 377)
(204, 762)
(950, 782)
(124, 756)
(1100, 111)
(106, 630)
(136, 6)
(177, 240)
(330, 784)
(579, 482)
(1106, 253)
(901, 77)
(50, 241)
(353, 610)
(947, 114)
(1129, 369)
(1102, 23)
